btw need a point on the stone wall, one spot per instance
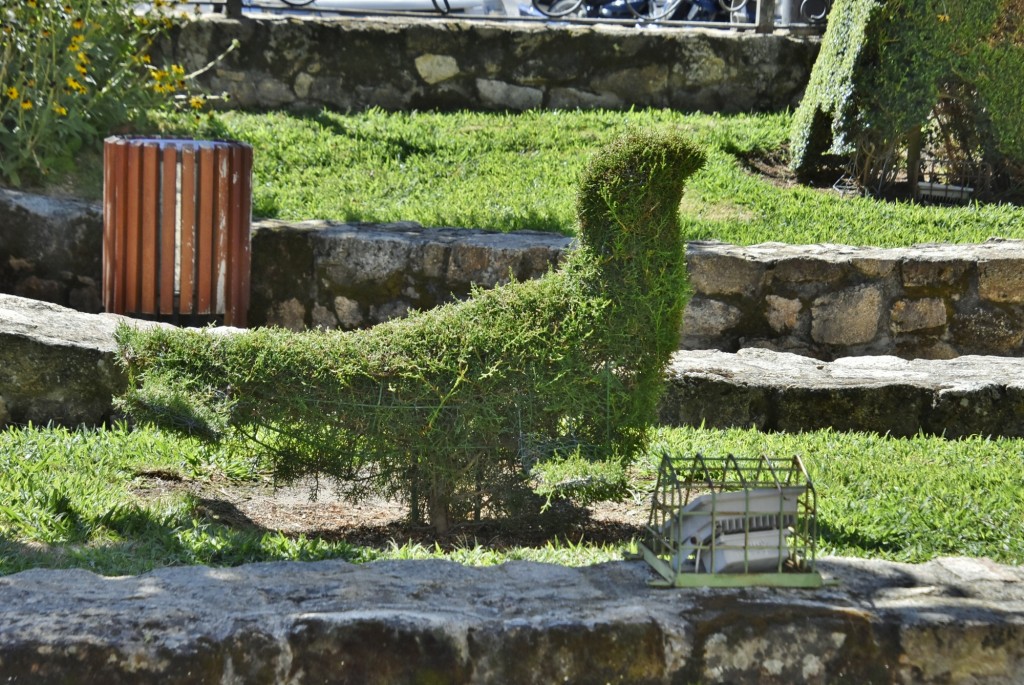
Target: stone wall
(330, 275)
(823, 301)
(349, 63)
(952, 620)
(830, 301)
(51, 249)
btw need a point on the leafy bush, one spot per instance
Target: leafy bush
(455, 407)
(71, 73)
(892, 72)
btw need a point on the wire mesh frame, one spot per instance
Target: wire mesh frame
(732, 522)
(456, 436)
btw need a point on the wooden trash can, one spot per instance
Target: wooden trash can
(176, 220)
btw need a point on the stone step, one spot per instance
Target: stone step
(58, 365)
(778, 391)
(950, 620)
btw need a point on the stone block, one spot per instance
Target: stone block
(57, 365)
(934, 273)
(988, 329)
(501, 95)
(782, 314)
(348, 313)
(707, 318)
(969, 395)
(436, 68)
(847, 317)
(911, 316)
(435, 621)
(1001, 280)
(804, 270)
(715, 273)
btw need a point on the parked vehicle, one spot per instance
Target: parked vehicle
(377, 6)
(645, 10)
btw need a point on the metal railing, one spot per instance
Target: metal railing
(768, 16)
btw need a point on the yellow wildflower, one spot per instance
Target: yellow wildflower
(943, 18)
(31, 3)
(12, 93)
(78, 24)
(73, 85)
(26, 104)
(177, 70)
(80, 68)
(60, 110)
(197, 102)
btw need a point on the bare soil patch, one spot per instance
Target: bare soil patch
(380, 523)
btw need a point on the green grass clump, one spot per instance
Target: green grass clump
(904, 499)
(520, 171)
(68, 501)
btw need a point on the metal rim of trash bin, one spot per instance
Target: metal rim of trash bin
(176, 223)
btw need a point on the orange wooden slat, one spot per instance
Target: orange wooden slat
(238, 295)
(188, 230)
(238, 233)
(168, 225)
(150, 202)
(109, 223)
(206, 210)
(245, 261)
(220, 259)
(120, 270)
(133, 223)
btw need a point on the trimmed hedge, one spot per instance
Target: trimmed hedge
(886, 65)
(457, 409)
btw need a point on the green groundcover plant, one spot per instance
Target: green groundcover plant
(557, 379)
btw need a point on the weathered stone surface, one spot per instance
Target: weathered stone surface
(56, 364)
(1001, 280)
(969, 395)
(710, 320)
(316, 272)
(848, 317)
(354, 63)
(932, 301)
(950, 620)
(51, 249)
(712, 273)
(783, 314)
(908, 316)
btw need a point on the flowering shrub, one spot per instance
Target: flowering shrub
(71, 73)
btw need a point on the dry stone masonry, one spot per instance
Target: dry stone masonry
(831, 301)
(330, 275)
(350, 63)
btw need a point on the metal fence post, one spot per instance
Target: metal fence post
(766, 16)
(233, 9)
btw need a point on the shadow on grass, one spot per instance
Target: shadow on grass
(129, 539)
(845, 538)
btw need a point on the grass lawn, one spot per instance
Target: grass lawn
(519, 171)
(77, 499)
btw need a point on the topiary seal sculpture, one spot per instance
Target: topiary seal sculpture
(456, 408)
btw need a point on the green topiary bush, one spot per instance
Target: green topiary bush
(898, 76)
(456, 409)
